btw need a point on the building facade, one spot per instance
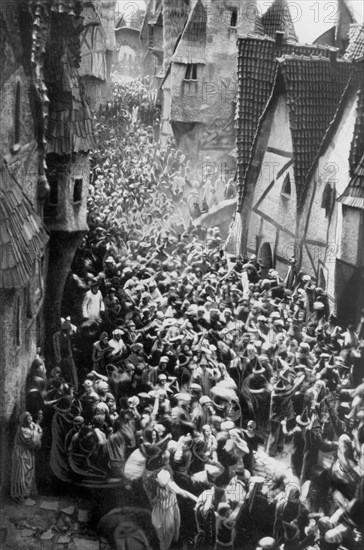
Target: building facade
(44, 173)
(98, 49)
(199, 88)
(23, 236)
(305, 154)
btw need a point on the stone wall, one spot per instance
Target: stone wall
(20, 308)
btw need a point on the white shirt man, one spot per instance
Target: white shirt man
(117, 344)
(93, 303)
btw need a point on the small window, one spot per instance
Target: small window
(191, 72)
(286, 187)
(53, 189)
(17, 114)
(77, 190)
(234, 18)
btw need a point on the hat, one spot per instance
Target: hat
(162, 377)
(164, 359)
(302, 419)
(87, 384)
(117, 332)
(94, 282)
(186, 397)
(109, 260)
(304, 347)
(227, 425)
(204, 400)
(137, 346)
(195, 387)
(258, 369)
(266, 543)
(280, 386)
(318, 306)
(78, 420)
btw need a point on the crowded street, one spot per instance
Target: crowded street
(182, 392)
(201, 387)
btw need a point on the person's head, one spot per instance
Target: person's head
(26, 419)
(117, 334)
(104, 338)
(95, 287)
(103, 388)
(206, 430)
(88, 387)
(56, 372)
(251, 351)
(162, 379)
(251, 426)
(163, 362)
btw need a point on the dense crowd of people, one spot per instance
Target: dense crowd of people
(225, 399)
(229, 397)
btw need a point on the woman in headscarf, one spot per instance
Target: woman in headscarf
(27, 441)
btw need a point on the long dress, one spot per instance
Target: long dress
(27, 440)
(166, 517)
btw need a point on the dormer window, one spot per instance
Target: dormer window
(234, 18)
(191, 72)
(286, 187)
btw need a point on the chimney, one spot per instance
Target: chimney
(279, 38)
(333, 55)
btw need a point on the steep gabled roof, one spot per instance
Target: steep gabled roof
(70, 124)
(354, 193)
(257, 64)
(328, 38)
(314, 87)
(278, 18)
(191, 46)
(357, 143)
(23, 236)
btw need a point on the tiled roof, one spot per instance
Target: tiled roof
(70, 126)
(354, 193)
(314, 86)
(357, 144)
(355, 49)
(278, 18)
(23, 236)
(191, 47)
(259, 28)
(257, 63)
